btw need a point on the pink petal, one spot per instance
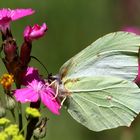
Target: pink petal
(50, 103)
(35, 32)
(8, 15)
(5, 13)
(30, 74)
(15, 14)
(18, 13)
(26, 95)
(27, 31)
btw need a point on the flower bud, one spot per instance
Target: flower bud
(10, 102)
(4, 121)
(11, 59)
(10, 49)
(35, 32)
(3, 135)
(25, 54)
(12, 130)
(40, 131)
(2, 112)
(18, 137)
(33, 112)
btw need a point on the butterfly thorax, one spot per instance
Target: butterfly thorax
(56, 83)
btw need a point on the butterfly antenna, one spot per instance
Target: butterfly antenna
(40, 63)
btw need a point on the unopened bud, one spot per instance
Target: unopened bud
(35, 32)
(25, 54)
(33, 112)
(10, 102)
(4, 121)
(40, 131)
(18, 137)
(2, 112)
(10, 49)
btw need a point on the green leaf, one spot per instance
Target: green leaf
(101, 103)
(114, 54)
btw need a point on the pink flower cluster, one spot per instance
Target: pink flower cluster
(37, 89)
(30, 33)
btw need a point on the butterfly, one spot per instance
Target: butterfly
(97, 83)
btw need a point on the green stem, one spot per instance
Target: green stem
(20, 116)
(13, 114)
(22, 130)
(19, 112)
(30, 127)
(33, 121)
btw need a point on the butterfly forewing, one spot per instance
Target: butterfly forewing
(114, 54)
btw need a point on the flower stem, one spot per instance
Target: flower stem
(19, 112)
(13, 114)
(33, 121)
(22, 130)
(20, 117)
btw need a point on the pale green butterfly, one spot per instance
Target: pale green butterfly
(98, 82)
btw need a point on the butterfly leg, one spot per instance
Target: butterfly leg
(55, 85)
(57, 92)
(52, 83)
(63, 101)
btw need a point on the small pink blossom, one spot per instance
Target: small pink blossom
(38, 90)
(136, 30)
(132, 29)
(137, 79)
(8, 15)
(35, 32)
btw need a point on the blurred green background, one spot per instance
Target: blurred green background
(73, 25)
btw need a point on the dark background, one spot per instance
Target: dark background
(73, 25)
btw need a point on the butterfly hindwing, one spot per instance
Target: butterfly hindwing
(101, 103)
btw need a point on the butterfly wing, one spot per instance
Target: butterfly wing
(114, 54)
(101, 103)
(99, 80)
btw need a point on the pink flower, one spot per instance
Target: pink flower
(29, 75)
(8, 15)
(35, 32)
(132, 29)
(38, 90)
